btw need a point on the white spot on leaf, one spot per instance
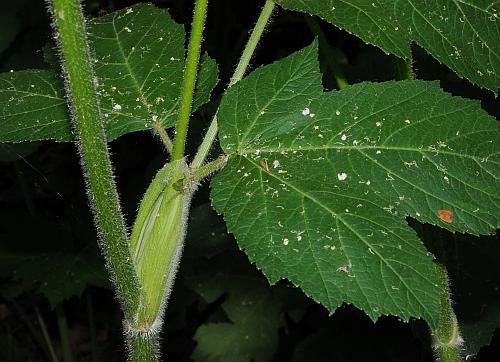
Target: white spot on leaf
(342, 176)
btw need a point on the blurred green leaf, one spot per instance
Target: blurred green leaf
(477, 333)
(255, 313)
(58, 276)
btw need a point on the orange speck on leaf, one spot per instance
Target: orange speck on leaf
(446, 216)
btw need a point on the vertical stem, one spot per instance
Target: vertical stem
(46, 336)
(241, 68)
(63, 333)
(447, 339)
(80, 84)
(92, 329)
(143, 348)
(247, 54)
(189, 81)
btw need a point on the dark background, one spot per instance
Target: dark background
(45, 220)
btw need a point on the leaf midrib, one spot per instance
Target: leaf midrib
(127, 64)
(358, 148)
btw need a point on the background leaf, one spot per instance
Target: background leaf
(255, 316)
(463, 34)
(318, 184)
(139, 54)
(32, 107)
(58, 276)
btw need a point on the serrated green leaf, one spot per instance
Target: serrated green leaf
(319, 184)
(139, 62)
(463, 34)
(32, 107)
(139, 55)
(255, 313)
(58, 276)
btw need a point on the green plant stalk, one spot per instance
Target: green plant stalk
(189, 80)
(92, 328)
(63, 333)
(80, 82)
(209, 168)
(447, 339)
(241, 68)
(141, 348)
(165, 139)
(50, 349)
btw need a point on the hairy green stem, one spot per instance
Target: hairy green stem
(80, 81)
(189, 81)
(209, 168)
(247, 54)
(447, 339)
(241, 68)
(143, 347)
(167, 142)
(332, 63)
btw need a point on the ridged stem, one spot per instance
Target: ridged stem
(447, 339)
(241, 68)
(189, 81)
(69, 24)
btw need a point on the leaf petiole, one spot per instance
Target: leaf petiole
(165, 139)
(241, 68)
(189, 81)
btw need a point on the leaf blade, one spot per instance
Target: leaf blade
(41, 90)
(318, 192)
(138, 53)
(461, 34)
